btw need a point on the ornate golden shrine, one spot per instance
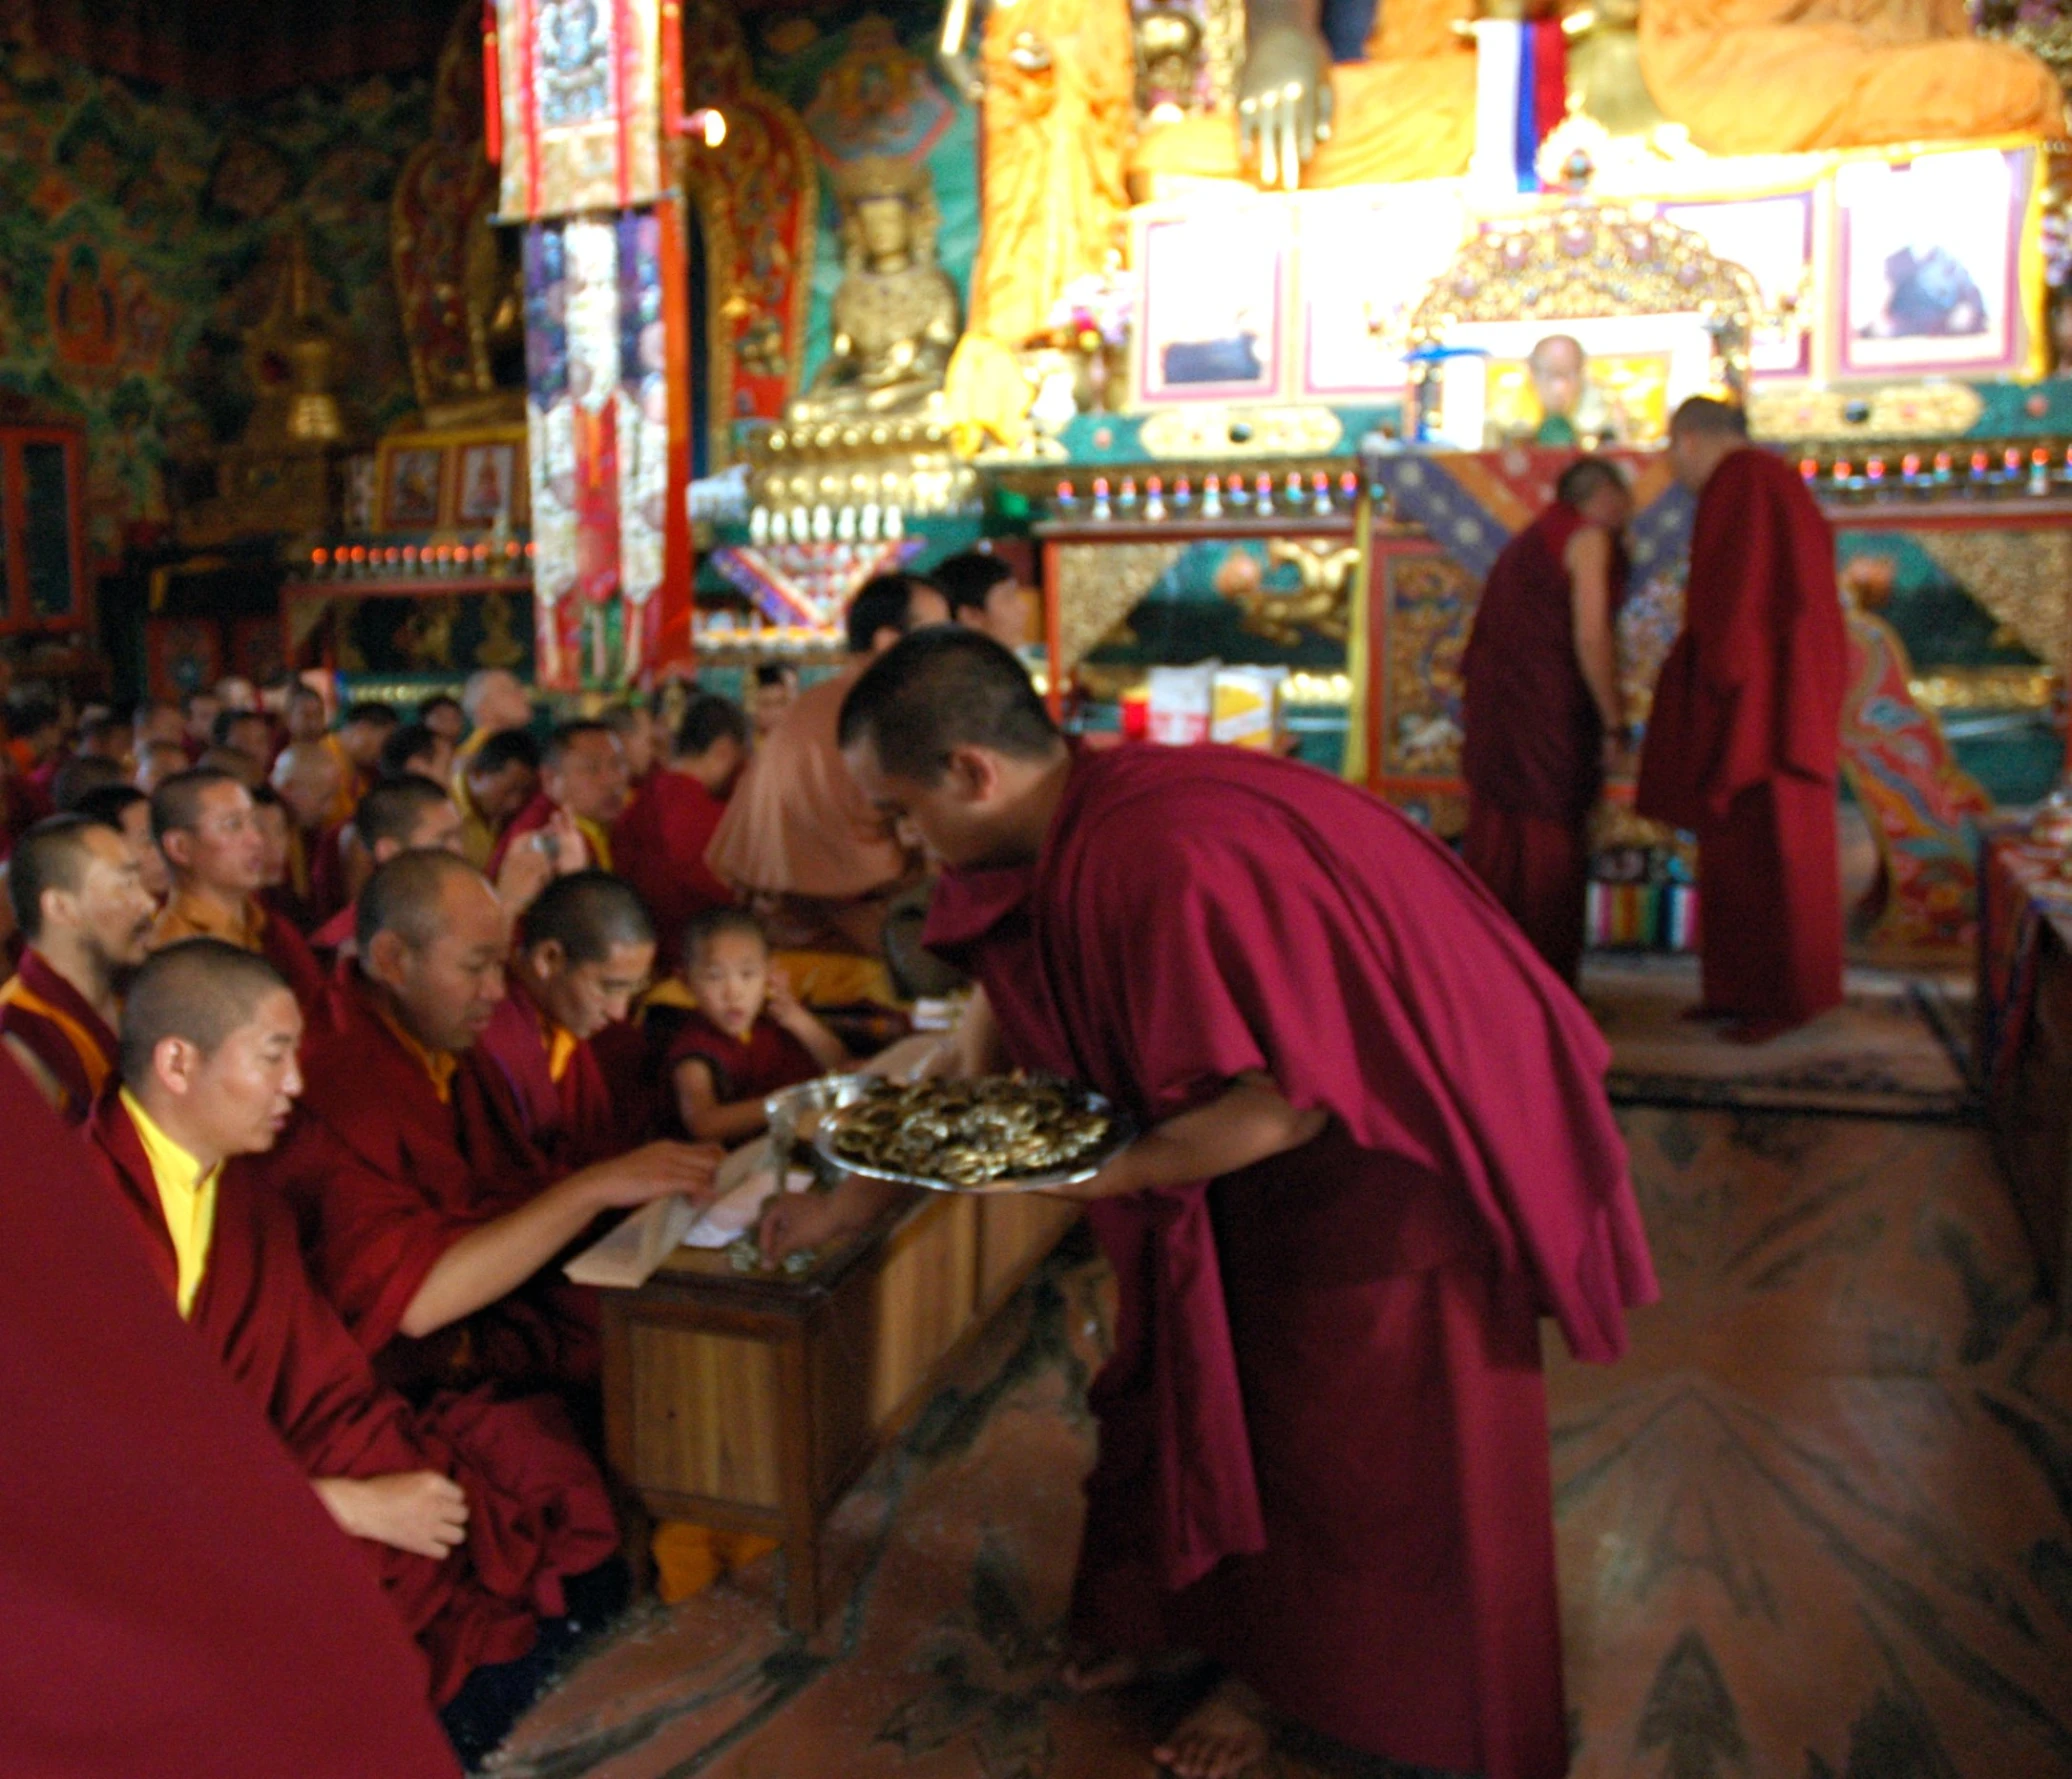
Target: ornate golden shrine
(1584, 261)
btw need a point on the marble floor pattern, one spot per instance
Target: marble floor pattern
(1817, 1525)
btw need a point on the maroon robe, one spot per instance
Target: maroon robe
(288, 951)
(768, 1060)
(52, 1020)
(176, 1598)
(386, 1176)
(534, 816)
(537, 1509)
(1323, 1452)
(659, 844)
(571, 1122)
(1744, 741)
(1532, 749)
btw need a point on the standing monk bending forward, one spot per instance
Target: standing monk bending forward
(1376, 1150)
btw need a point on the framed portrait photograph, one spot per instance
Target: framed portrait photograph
(1212, 305)
(1773, 237)
(1364, 261)
(410, 489)
(1930, 253)
(485, 492)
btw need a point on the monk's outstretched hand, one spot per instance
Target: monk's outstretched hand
(415, 1510)
(653, 1171)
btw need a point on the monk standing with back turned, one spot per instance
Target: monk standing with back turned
(1744, 741)
(1375, 1150)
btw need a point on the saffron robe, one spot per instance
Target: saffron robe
(767, 1061)
(537, 1509)
(1533, 739)
(1743, 744)
(570, 1122)
(53, 1022)
(151, 1511)
(659, 843)
(796, 824)
(260, 929)
(386, 1175)
(1323, 1427)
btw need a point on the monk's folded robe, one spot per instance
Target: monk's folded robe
(392, 1157)
(176, 1598)
(537, 1509)
(1532, 747)
(1743, 742)
(555, 1091)
(51, 1020)
(1323, 1442)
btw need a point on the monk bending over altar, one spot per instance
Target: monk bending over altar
(434, 1221)
(480, 1519)
(1376, 1150)
(1744, 741)
(1542, 678)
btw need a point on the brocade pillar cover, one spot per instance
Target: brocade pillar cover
(598, 430)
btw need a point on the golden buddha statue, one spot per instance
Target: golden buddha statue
(895, 312)
(1742, 76)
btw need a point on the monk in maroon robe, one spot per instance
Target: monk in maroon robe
(1375, 1150)
(86, 918)
(472, 1513)
(585, 949)
(1542, 697)
(434, 1224)
(151, 1511)
(1744, 742)
(660, 841)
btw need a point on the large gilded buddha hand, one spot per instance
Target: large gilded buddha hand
(1284, 94)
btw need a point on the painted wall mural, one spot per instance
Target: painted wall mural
(142, 234)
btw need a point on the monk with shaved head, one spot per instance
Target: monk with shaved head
(585, 948)
(86, 916)
(435, 1218)
(481, 1519)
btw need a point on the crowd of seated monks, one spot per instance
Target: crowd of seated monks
(363, 1023)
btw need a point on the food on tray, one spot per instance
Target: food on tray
(968, 1132)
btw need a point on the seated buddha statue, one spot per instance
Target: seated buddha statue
(1741, 76)
(895, 315)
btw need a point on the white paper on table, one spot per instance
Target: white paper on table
(746, 1181)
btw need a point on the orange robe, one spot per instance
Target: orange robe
(259, 929)
(796, 824)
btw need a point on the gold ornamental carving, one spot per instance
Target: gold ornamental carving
(1321, 605)
(2024, 578)
(1585, 261)
(1430, 600)
(1205, 432)
(1098, 584)
(1897, 411)
(1986, 688)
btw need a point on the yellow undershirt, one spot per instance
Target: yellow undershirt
(185, 1194)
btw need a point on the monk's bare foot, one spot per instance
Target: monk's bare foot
(1100, 1670)
(1223, 1737)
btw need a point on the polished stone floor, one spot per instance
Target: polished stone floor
(1817, 1525)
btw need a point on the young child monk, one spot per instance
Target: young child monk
(748, 1038)
(486, 1524)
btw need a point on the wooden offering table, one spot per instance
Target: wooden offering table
(752, 1401)
(2025, 1040)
